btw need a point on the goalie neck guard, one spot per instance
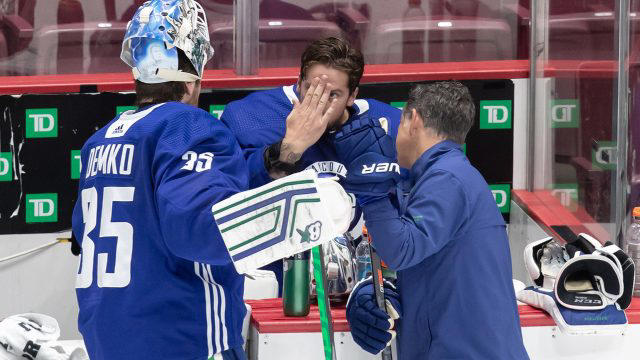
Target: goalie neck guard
(156, 30)
(583, 274)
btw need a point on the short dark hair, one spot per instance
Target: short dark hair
(445, 106)
(151, 94)
(337, 54)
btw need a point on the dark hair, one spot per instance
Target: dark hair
(337, 54)
(151, 94)
(445, 106)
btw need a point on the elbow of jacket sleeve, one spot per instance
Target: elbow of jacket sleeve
(399, 243)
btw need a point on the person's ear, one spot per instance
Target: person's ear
(415, 123)
(352, 97)
(190, 87)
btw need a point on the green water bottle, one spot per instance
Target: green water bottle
(295, 292)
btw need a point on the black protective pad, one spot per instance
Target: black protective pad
(588, 267)
(628, 277)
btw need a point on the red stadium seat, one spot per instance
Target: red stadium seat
(281, 41)
(434, 39)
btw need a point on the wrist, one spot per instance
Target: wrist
(274, 166)
(290, 151)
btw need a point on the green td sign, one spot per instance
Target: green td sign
(6, 165)
(216, 110)
(76, 164)
(502, 196)
(121, 109)
(42, 123)
(495, 114)
(41, 208)
(604, 155)
(398, 104)
(565, 113)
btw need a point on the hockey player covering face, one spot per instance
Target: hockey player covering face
(446, 238)
(337, 88)
(290, 128)
(155, 280)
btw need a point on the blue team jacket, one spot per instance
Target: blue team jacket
(449, 246)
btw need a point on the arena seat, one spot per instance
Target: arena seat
(446, 39)
(281, 41)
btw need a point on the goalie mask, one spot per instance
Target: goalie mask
(583, 275)
(157, 29)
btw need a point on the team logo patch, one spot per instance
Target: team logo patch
(311, 233)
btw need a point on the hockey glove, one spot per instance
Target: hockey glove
(369, 156)
(371, 328)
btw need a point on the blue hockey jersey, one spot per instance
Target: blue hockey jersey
(259, 120)
(155, 280)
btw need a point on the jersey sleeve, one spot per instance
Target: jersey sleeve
(197, 163)
(435, 214)
(252, 140)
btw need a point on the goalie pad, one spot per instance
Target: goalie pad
(282, 218)
(609, 320)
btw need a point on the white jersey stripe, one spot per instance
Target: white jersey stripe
(216, 316)
(207, 308)
(288, 91)
(223, 314)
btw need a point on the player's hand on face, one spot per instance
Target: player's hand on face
(308, 120)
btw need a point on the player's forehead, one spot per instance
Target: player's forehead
(339, 78)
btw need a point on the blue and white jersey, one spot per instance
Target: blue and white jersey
(155, 280)
(259, 120)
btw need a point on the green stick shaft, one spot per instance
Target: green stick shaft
(323, 303)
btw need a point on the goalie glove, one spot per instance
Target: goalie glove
(372, 328)
(581, 285)
(369, 155)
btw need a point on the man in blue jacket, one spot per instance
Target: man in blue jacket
(445, 238)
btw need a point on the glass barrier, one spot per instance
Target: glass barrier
(633, 158)
(575, 139)
(84, 36)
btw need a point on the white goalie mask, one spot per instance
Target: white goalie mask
(157, 29)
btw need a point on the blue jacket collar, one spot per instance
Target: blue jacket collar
(430, 156)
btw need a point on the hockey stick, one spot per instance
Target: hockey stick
(319, 274)
(378, 286)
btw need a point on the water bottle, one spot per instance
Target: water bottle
(363, 260)
(295, 291)
(413, 40)
(633, 246)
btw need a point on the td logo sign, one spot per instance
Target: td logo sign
(216, 110)
(502, 196)
(495, 114)
(398, 104)
(41, 208)
(6, 164)
(76, 164)
(121, 109)
(565, 113)
(567, 194)
(603, 155)
(42, 123)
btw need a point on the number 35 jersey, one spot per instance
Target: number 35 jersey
(155, 280)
